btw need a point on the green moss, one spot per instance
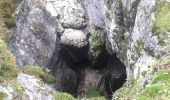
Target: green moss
(39, 73)
(6, 10)
(128, 91)
(96, 42)
(4, 33)
(2, 95)
(63, 96)
(162, 15)
(7, 63)
(93, 91)
(161, 26)
(97, 98)
(18, 89)
(165, 61)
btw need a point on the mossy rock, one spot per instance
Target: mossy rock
(2, 95)
(5, 35)
(97, 98)
(17, 87)
(63, 96)
(96, 43)
(161, 25)
(39, 73)
(93, 91)
(8, 68)
(6, 10)
(128, 91)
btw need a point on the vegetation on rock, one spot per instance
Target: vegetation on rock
(161, 26)
(6, 10)
(8, 69)
(96, 43)
(97, 98)
(39, 73)
(63, 96)
(93, 91)
(2, 95)
(159, 88)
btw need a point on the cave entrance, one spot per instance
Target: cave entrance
(84, 77)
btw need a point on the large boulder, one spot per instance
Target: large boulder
(74, 37)
(70, 13)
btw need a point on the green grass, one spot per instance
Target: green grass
(159, 89)
(8, 69)
(39, 73)
(93, 91)
(63, 96)
(162, 76)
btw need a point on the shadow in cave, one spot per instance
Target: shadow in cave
(107, 72)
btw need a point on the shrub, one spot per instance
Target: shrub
(39, 73)
(63, 96)
(7, 63)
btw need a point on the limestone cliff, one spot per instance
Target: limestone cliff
(99, 44)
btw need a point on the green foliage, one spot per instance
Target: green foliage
(39, 73)
(93, 91)
(162, 21)
(63, 96)
(2, 95)
(6, 10)
(96, 43)
(161, 26)
(97, 98)
(7, 63)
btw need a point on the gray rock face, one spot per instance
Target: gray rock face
(69, 12)
(35, 37)
(43, 26)
(95, 11)
(74, 37)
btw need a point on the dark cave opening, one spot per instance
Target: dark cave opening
(106, 72)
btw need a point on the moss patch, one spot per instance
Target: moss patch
(63, 96)
(97, 98)
(18, 89)
(93, 91)
(2, 95)
(96, 43)
(161, 26)
(6, 10)
(39, 73)
(8, 69)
